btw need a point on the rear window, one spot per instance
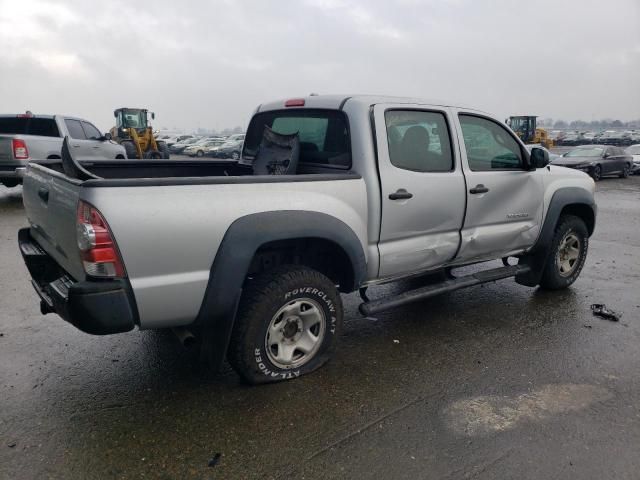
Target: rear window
(324, 135)
(43, 127)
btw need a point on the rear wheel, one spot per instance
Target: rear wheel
(164, 150)
(596, 173)
(625, 171)
(10, 182)
(568, 253)
(287, 325)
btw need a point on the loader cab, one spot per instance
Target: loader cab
(524, 126)
(132, 118)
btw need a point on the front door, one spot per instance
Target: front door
(504, 198)
(423, 190)
(81, 148)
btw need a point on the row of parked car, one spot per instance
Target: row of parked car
(599, 160)
(210, 146)
(606, 137)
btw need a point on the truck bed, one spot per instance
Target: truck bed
(207, 169)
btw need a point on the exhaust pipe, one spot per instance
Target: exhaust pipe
(184, 336)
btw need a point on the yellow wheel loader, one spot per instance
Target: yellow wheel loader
(134, 133)
(525, 127)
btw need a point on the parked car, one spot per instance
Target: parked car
(589, 137)
(198, 149)
(634, 151)
(598, 161)
(570, 138)
(26, 137)
(228, 149)
(332, 194)
(179, 147)
(612, 137)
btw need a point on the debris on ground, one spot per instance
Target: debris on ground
(396, 340)
(11, 445)
(214, 460)
(601, 310)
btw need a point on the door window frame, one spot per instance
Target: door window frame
(525, 157)
(454, 158)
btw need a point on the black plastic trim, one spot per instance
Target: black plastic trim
(233, 259)
(97, 307)
(536, 258)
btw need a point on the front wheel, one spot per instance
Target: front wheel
(199, 153)
(596, 174)
(568, 253)
(287, 325)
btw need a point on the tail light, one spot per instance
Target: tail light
(20, 150)
(98, 250)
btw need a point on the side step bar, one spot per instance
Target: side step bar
(375, 306)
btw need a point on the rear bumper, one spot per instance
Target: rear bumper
(12, 170)
(96, 307)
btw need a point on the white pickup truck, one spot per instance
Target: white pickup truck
(331, 194)
(26, 137)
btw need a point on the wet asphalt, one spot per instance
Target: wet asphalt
(493, 382)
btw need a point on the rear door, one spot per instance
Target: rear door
(423, 188)
(504, 199)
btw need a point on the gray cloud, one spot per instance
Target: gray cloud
(209, 64)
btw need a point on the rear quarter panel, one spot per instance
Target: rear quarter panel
(168, 235)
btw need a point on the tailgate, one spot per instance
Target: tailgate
(50, 201)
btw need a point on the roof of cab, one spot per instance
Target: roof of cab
(336, 102)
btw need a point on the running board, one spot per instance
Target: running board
(375, 306)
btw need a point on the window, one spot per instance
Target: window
(323, 134)
(489, 145)
(418, 141)
(91, 132)
(43, 127)
(75, 129)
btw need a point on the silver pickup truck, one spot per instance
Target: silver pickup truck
(26, 137)
(331, 194)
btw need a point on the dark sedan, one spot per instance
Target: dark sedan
(597, 160)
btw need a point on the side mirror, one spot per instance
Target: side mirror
(606, 155)
(106, 137)
(539, 158)
(153, 116)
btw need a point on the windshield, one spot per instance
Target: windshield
(635, 150)
(132, 119)
(585, 152)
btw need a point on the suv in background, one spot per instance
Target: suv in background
(25, 137)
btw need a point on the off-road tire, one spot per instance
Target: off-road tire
(552, 277)
(262, 299)
(164, 150)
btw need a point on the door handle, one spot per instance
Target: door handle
(401, 194)
(43, 193)
(480, 188)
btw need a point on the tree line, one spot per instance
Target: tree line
(593, 124)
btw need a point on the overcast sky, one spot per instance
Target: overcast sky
(210, 63)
